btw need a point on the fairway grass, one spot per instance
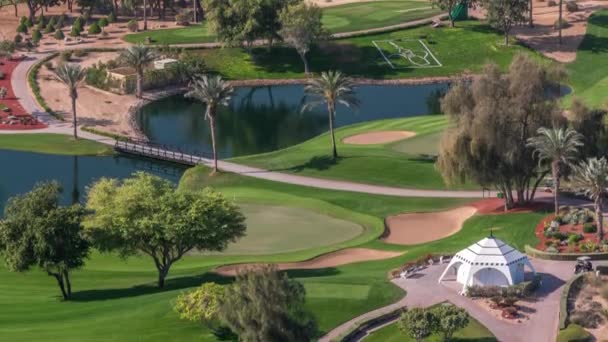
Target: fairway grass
(53, 144)
(474, 332)
(397, 164)
(115, 299)
(336, 19)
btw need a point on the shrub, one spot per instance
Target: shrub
(94, 29)
(182, 19)
(22, 20)
(571, 6)
(28, 22)
(49, 29)
(22, 28)
(560, 236)
(590, 319)
(78, 23)
(132, 25)
(551, 3)
(574, 333)
(103, 22)
(202, 304)
(588, 246)
(36, 36)
(66, 55)
(52, 22)
(49, 65)
(60, 20)
(574, 238)
(552, 250)
(80, 53)
(549, 243)
(40, 26)
(58, 34)
(18, 39)
(97, 76)
(589, 227)
(111, 18)
(75, 32)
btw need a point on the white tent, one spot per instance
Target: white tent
(489, 262)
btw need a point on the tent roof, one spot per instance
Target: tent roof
(490, 251)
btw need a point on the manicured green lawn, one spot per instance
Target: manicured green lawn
(589, 73)
(366, 15)
(395, 164)
(184, 35)
(115, 300)
(342, 18)
(52, 143)
(465, 48)
(475, 331)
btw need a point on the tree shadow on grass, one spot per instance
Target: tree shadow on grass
(149, 288)
(319, 163)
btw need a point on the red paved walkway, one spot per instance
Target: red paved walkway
(16, 118)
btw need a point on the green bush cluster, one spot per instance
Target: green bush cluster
(94, 28)
(574, 333)
(111, 18)
(36, 36)
(103, 22)
(22, 28)
(18, 39)
(58, 34)
(589, 227)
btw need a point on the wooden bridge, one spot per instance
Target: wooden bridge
(157, 151)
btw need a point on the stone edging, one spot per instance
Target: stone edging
(563, 256)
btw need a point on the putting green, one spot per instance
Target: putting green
(275, 229)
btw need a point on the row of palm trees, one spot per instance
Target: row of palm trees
(331, 88)
(560, 148)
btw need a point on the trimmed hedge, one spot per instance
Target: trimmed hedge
(361, 327)
(563, 302)
(531, 251)
(574, 333)
(33, 82)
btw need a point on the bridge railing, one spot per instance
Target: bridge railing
(157, 151)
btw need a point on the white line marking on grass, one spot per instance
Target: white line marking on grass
(383, 55)
(429, 51)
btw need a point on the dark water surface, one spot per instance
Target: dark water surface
(20, 171)
(263, 119)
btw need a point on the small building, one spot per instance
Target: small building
(488, 262)
(164, 63)
(122, 80)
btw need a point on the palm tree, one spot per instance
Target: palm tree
(331, 88)
(560, 148)
(138, 57)
(73, 76)
(592, 176)
(214, 92)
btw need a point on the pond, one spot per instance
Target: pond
(73, 173)
(263, 119)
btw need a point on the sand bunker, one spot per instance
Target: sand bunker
(380, 137)
(342, 257)
(412, 229)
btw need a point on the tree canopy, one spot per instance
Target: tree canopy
(504, 14)
(264, 305)
(492, 119)
(418, 323)
(37, 231)
(145, 214)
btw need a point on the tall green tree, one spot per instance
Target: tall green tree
(450, 318)
(492, 119)
(139, 57)
(590, 123)
(264, 305)
(145, 214)
(72, 76)
(559, 147)
(504, 14)
(301, 27)
(449, 6)
(214, 93)
(331, 88)
(418, 323)
(37, 231)
(592, 176)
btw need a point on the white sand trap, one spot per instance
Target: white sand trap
(416, 228)
(380, 137)
(342, 257)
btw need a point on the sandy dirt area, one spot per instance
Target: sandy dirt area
(334, 259)
(95, 108)
(416, 228)
(590, 297)
(544, 38)
(380, 137)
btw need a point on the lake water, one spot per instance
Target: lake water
(20, 171)
(263, 119)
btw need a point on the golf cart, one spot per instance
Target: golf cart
(583, 264)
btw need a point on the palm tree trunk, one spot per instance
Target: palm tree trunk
(330, 110)
(212, 127)
(139, 84)
(145, 16)
(74, 121)
(599, 217)
(555, 174)
(559, 23)
(531, 13)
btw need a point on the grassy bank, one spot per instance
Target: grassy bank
(394, 164)
(53, 144)
(336, 19)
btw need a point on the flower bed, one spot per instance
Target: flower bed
(574, 230)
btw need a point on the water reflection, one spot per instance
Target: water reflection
(263, 119)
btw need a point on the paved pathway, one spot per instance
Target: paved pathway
(424, 291)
